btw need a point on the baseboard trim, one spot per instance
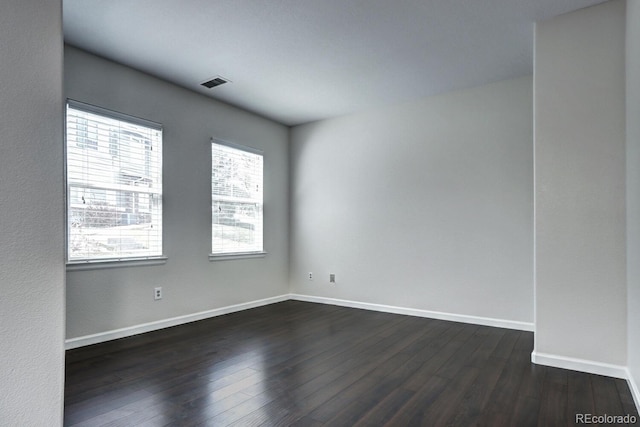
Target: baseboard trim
(167, 323)
(633, 386)
(475, 320)
(180, 320)
(581, 365)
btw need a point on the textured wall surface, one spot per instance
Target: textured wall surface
(425, 205)
(580, 185)
(108, 299)
(31, 214)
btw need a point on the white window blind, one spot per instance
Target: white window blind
(236, 199)
(114, 185)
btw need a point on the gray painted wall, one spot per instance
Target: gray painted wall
(424, 205)
(108, 299)
(580, 185)
(31, 213)
(633, 187)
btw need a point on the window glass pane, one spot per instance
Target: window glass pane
(237, 200)
(114, 185)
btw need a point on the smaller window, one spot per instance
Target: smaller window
(236, 199)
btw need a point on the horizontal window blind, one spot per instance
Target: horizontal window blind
(114, 185)
(236, 199)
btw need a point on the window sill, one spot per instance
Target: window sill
(243, 255)
(115, 263)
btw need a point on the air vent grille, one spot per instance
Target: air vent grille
(216, 81)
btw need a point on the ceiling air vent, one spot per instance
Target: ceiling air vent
(216, 81)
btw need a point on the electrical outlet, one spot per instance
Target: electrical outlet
(310, 276)
(157, 293)
(332, 278)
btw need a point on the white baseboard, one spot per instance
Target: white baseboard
(590, 367)
(633, 386)
(475, 320)
(166, 323)
(581, 365)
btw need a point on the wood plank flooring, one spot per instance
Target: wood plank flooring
(304, 364)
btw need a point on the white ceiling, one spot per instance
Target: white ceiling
(296, 61)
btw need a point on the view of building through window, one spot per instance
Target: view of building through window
(114, 186)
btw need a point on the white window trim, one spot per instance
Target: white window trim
(113, 114)
(115, 263)
(239, 255)
(101, 263)
(237, 146)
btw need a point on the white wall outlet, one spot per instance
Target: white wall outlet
(157, 293)
(332, 278)
(310, 276)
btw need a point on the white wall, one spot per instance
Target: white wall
(580, 185)
(31, 213)
(425, 205)
(633, 189)
(108, 299)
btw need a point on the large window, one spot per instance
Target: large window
(114, 185)
(236, 199)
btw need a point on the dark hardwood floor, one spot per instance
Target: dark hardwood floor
(303, 364)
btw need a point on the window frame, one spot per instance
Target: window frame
(224, 256)
(115, 261)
